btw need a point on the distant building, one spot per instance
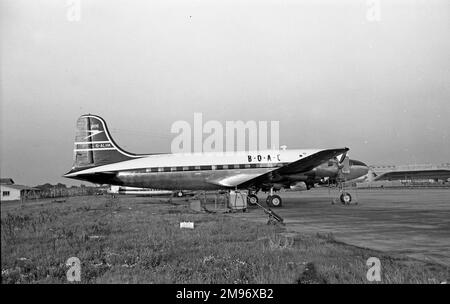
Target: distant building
(424, 173)
(12, 192)
(406, 176)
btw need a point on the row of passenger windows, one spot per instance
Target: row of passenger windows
(214, 167)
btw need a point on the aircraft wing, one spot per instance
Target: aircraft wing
(233, 180)
(299, 166)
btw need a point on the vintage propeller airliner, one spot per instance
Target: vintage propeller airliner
(98, 159)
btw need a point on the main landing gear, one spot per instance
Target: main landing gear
(274, 201)
(252, 199)
(271, 201)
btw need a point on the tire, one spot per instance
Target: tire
(346, 198)
(252, 200)
(274, 201)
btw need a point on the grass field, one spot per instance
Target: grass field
(132, 240)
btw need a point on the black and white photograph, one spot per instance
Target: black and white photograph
(225, 148)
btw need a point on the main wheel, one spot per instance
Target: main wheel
(346, 198)
(252, 200)
(274, 201)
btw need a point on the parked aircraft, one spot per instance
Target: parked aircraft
(138, 191)
(113, 189)
(98, 159)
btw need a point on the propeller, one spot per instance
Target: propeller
(344, 155)
(343, 166)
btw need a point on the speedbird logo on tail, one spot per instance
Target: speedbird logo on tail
(93, 133)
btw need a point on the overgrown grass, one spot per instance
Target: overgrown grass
(133, 241)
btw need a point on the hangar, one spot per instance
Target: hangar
(9, 191)
(412, 172)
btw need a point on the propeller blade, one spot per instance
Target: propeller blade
(344, 155)
(346, 165)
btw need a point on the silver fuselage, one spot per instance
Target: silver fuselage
(204, 179)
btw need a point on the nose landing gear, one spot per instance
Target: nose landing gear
(345, 198)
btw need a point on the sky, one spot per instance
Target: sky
(330, 72)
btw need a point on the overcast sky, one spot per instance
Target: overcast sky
(330, 75)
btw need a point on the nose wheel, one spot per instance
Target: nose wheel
(345, 198)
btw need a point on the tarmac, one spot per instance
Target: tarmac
(412, 222)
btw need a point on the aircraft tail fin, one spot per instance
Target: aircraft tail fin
(94, 145)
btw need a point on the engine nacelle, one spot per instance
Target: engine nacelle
(276, 187)
(299, 186)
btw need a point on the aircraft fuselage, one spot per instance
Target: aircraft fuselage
(206, 171)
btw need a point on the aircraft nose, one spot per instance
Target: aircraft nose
(354, 162)
(361, 168)
(366, 169)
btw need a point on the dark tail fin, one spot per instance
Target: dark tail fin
(94, 145)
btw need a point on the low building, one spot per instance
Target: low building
(410, 173)
(12, 192)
